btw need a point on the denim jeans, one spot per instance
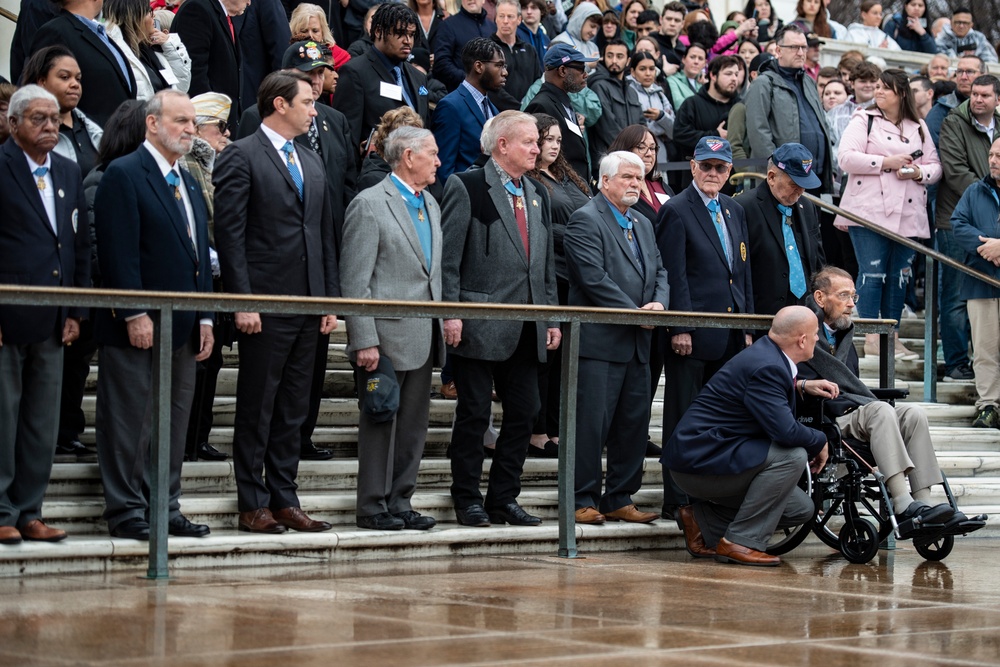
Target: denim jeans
(954, 328)
(884, 271)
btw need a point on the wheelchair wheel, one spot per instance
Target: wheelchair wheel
(788, 539)
(858, 541)
(936, 548)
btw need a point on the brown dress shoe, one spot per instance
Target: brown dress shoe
(730, 552)
(589, 515)
(631, 514)
(38, 531)
(9, 535)
(693, 540)
(260, 521)
(449, 391)
(296, 519)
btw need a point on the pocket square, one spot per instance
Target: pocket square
(422, 91)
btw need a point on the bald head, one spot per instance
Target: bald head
(794, 329)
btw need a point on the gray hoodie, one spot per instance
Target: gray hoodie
(572, 37)
(948, 43)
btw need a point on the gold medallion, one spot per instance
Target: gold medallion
(743, 250)
(41, 184)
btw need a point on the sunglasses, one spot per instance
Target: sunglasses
(221, 124)
(708, 167)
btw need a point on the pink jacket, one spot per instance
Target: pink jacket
(898, 205)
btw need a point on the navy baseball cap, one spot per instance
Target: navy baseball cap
(305, 57)
(379, 397)
(796, 161)
(560, 54)
(713, 148)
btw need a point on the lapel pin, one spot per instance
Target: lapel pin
(326, 128)
(534, 203)
(61, 193)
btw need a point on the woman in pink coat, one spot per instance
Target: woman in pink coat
(890, 158)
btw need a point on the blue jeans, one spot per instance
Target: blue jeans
(954, 328)
(884, 271)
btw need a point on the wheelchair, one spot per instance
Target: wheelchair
(854, 512)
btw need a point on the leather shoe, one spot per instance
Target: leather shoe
(132, 529)
(260, 521)
(631, 514)
(693, 540)
(9, 535)
(37, 530)
(415, 520)
(549, 451)
(513, 514)
(381, 521)
(730, 552)
(653, 449)
(449, 391)
(473, 515)
(296, 519)
(179, 526)
(589, 515)
(207, 452)
(74, 451)
(310, 452)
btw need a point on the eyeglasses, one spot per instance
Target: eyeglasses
(39, 120)
(967, 72)
(579, 67)
(500, 64)
(720, 168)
(221, 124)
(795, 47)
(954, 22)
(645, 148)
(845, 296)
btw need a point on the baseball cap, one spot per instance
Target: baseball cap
(560, 54)
(304, 56)
(713, 148)
(379, 397)
(796, 161)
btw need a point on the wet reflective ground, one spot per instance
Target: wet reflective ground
(635, 609)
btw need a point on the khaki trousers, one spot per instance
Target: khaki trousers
(984, 318)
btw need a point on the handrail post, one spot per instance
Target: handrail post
(930, 329)
(887, 358)
(567, 441)
(159, 459)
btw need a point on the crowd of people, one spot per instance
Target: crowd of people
(501, 152)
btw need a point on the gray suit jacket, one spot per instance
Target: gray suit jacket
(484, 259)
(604, 272)
(382, 258)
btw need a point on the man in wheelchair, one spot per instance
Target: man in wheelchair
(898, 436)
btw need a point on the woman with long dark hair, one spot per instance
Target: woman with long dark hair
(763, 10)
(810, 17)
(655, 192)
(656, 107)
(158, 60)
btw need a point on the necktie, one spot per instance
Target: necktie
(313, 137)
(796, 276)
(119, 58)
(293, 168)
(720, 228)
(415, 204)
(398, 73)
(486, 108)
(626, 224)
(831, 338)
(40, 176)
(514, 188)
(174, 181)
(232, 31)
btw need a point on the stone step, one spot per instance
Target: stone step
(953, 393)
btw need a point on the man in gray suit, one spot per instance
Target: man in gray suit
(497, 249)
(613, 262)
(392, 250)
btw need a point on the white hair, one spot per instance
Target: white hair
(516, 4)
(24, 96)
(502, 125)
(401, 139)
(612, 163)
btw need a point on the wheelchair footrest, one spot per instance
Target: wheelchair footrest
(915, 528)
(970, 525)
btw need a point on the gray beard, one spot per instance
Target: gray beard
(630, 200)
(841, 323)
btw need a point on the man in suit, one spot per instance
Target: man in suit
(392, 250)
(613, 262)
(703, 240)
(31, 16)
(109, 78)
(206, 28)
(497, 249)
(741, 451)
(460, 116)
(785, 243)
(565, 72)
(381, 79)
(329, 137)
(274, 234)
(41, 243)
(151, 224)
(263, 32)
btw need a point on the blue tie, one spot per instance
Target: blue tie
(713, 208)
(293, 168)
(831, 338)
(796, 277)
(416, 207)
(398, 72)
(174, 180)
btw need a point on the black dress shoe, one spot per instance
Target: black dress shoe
(513, 514)
(132, 529)
(549, 451)
(74, 451)
(207, 452)
(179, 526)
(415, 520)
(653, 449)
(383, 521)
(473, 515)
(311, 452)
(919, 515)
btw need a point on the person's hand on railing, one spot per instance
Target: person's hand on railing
(452, 332)
(990, 250)
(553, 338)
(206, 341)
(652, 305)
(681, 344)
(71, 331)
(327, 324)
(248, 323)
(140, 332)
(895, 162)
(367, 358)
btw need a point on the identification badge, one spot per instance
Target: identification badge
(575, 129)
(390, 90)
(662, 197)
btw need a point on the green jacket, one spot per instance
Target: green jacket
(964, 153)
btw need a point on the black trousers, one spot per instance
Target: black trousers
(316, 388)
(550, 381)
(516, 380)
(76, 367)
(206, 380)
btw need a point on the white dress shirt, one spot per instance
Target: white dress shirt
(278, 142)
(48, 194)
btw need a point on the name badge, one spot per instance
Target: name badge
(574, 128)
(169, 76)
(662, 197)
(390, 90)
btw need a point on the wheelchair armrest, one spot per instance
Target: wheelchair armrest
(890, 393)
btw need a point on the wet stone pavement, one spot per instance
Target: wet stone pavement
(628, 609)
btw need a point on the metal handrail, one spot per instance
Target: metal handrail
(7, 14)
(168, 302)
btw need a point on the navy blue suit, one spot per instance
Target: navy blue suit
(262, 30)
(458, 124)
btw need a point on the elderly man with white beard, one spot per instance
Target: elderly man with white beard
(613, 262)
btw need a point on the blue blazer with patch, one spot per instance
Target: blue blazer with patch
(458, 124)
(143, 243)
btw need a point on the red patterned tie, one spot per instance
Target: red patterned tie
(232, 32)
(522, 220)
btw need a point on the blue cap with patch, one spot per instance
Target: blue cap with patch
(562, 54)
(713, 148)
(379, 396)
(796, 161)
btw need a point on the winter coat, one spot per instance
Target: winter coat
(679, 89)
(964, 152)
(699, 117)
(572, 36)
(950, 45)
(976, 215)
(663, 127)
(908, 40)
(454, 33)
(870, 36)
(538, 40)
(620, 108)
(895, 204)
(174, 57)
(64, 146)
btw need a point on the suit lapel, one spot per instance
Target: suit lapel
(158, 184)
(470, 102)
(704, 218)
(771, 214)
(608, 216)
(96, 42)
(282, 168)
(60, 183)
(502, 204)
(18, 165)
(376, 63)
(402, 216)
(199, 209)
